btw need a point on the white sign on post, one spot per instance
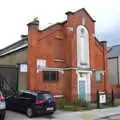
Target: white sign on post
(23, 67)
(102, 98)
(40, 64)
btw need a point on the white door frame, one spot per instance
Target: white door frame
(87, 83)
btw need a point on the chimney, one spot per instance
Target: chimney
(69, 13)
(34, 23)
(103, 42)
(70, 18)
(24, 37)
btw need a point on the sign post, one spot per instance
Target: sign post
(101, 98)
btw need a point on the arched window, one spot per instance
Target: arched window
(82, 46)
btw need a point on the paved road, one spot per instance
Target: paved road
(10, 115)
(96, 114)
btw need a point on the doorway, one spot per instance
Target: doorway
(84, 86)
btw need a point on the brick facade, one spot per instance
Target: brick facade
(57, 45)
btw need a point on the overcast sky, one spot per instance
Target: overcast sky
(15, 14)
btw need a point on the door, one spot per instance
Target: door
(82, 93)
(84, 89)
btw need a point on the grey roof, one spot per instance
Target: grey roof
(14, 47)
(114, 51)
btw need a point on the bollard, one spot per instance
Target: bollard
(97, 98)
(112, 99)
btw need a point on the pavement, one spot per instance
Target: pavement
(114, 117)
(96, 114)
(112, 113)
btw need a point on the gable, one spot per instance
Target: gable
(81, 10)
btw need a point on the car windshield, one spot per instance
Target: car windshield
(44, 96)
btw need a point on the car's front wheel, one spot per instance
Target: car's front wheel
(29, 112)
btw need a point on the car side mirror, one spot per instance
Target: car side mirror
(7, 97)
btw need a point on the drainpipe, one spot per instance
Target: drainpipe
(105, 60)
(17, 73)
(118, 69)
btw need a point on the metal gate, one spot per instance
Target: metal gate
(8, 79)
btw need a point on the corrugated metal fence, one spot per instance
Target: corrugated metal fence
(8, 79)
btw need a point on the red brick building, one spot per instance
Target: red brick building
(66, 58)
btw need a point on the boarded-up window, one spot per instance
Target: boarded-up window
(58, 49)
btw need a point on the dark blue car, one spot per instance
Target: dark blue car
(32, 102)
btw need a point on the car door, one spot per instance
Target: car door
(20, 101)
(26, 101)
(14, 101)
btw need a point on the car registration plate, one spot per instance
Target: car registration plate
(50, 108)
